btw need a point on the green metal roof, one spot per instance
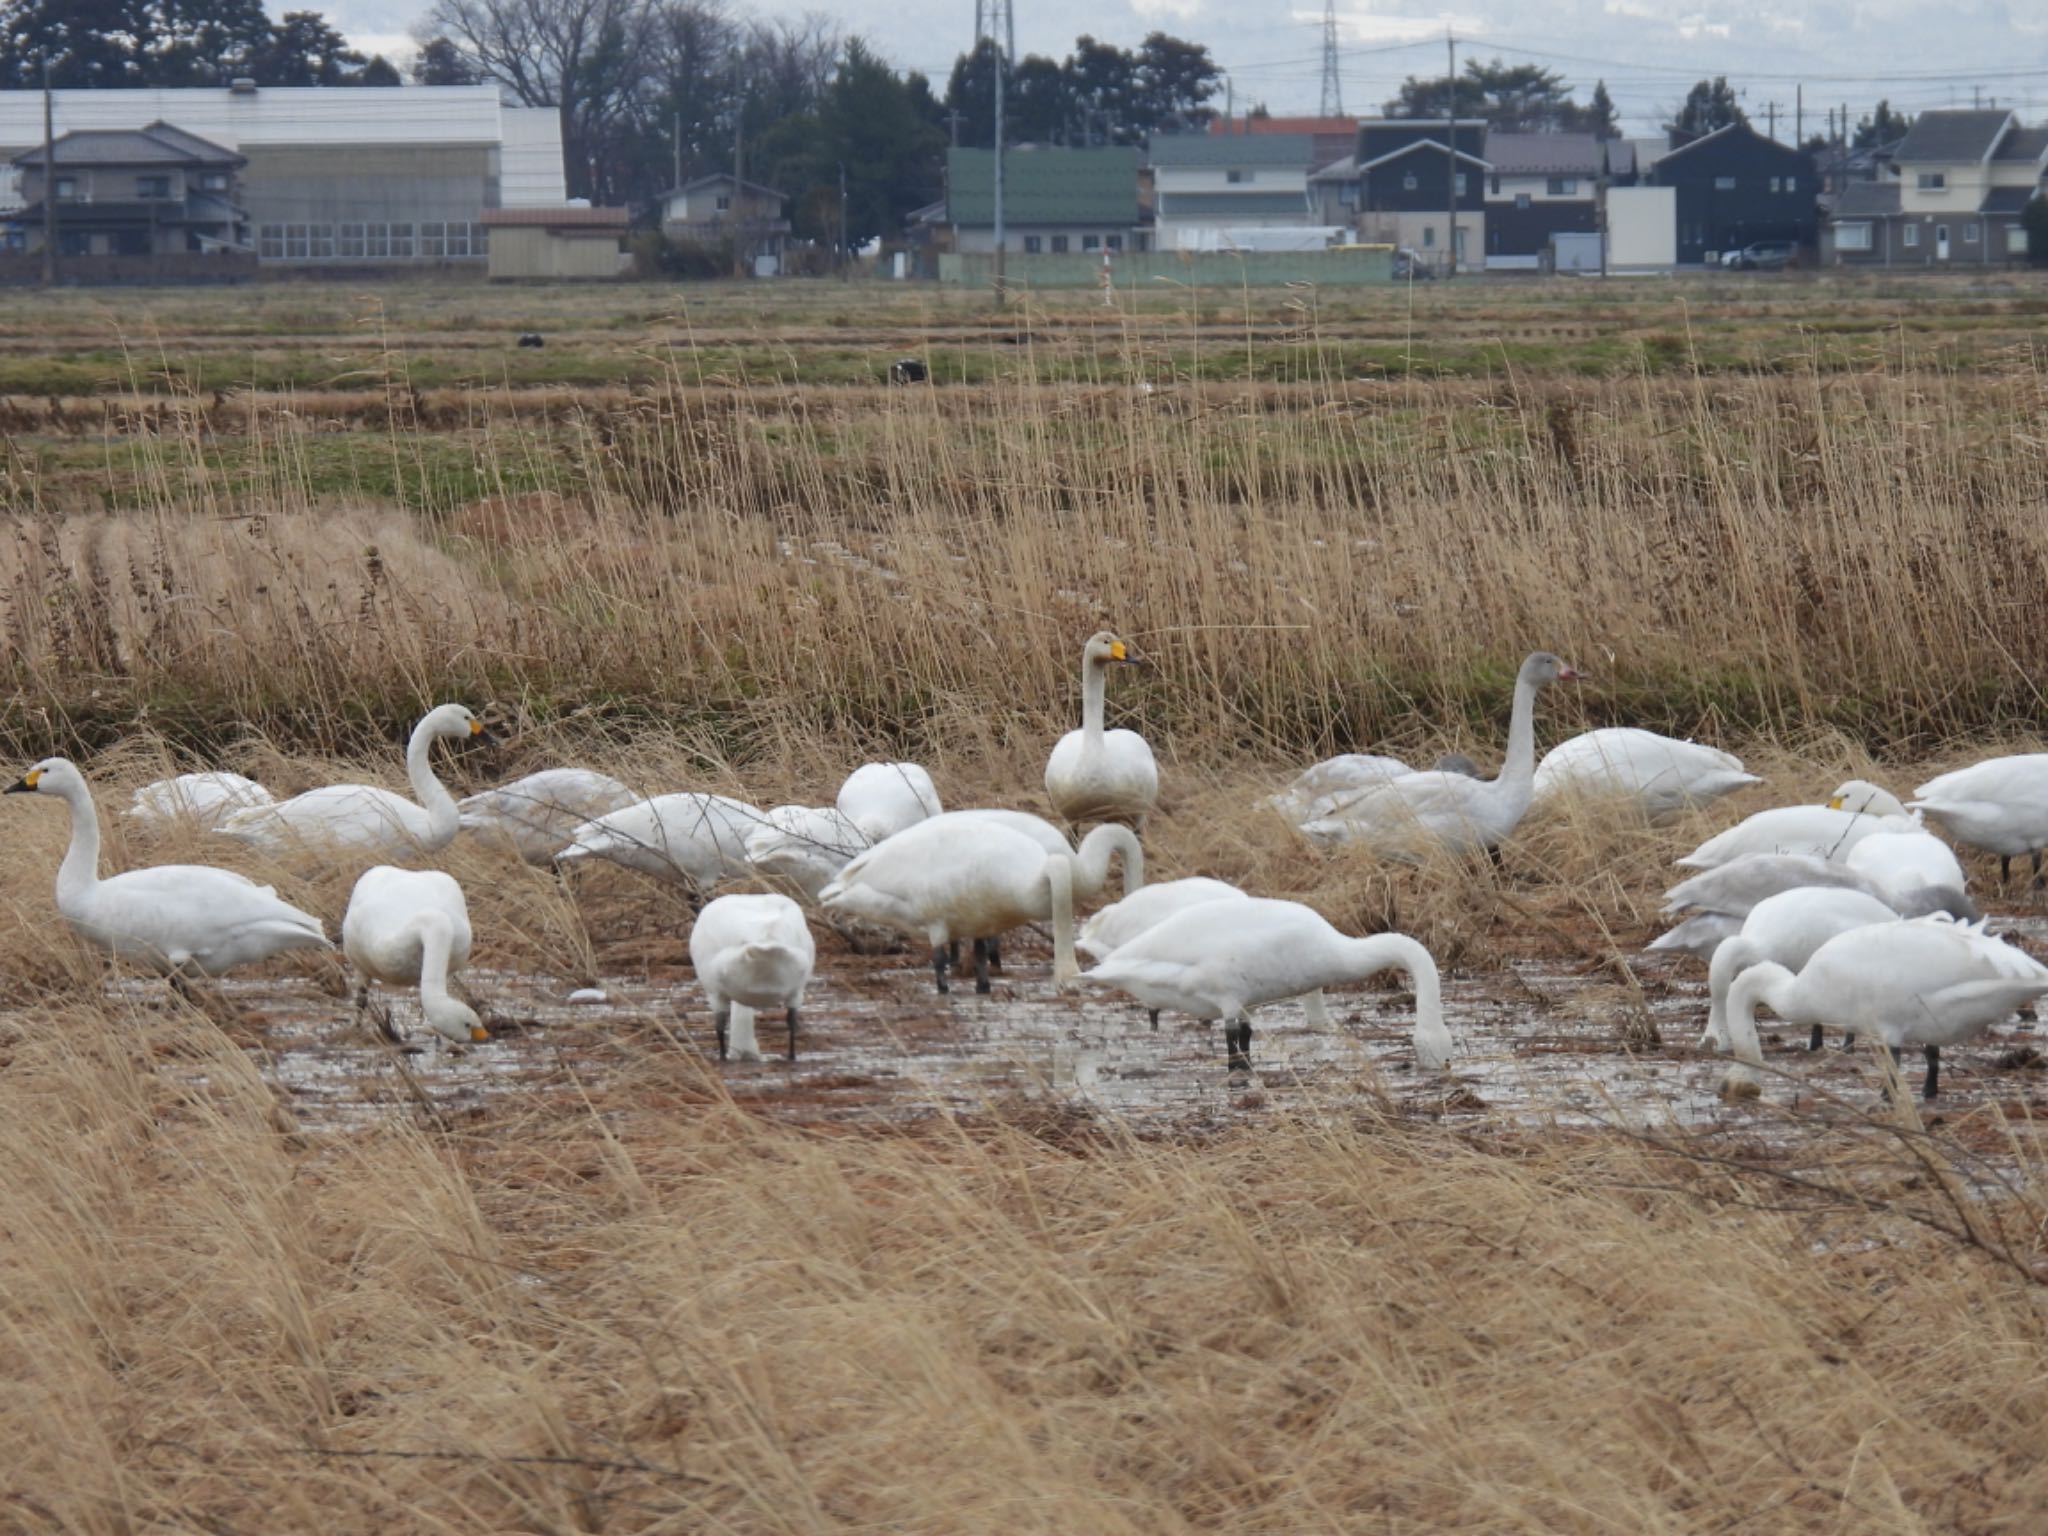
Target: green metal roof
(1044, 186)
(1285, 207)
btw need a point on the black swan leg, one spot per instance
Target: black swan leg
(943, 956)
(722, 1022)
(1813, 1040)
(1932, 1086)
(981, 962)
(792, 1031)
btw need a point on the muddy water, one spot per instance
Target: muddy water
(1539, 1045)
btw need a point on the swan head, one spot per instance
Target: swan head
(1542, 668)
(457, 721)
(52, 776)
(1105, 649)
(1864, 798)
(453, 1020)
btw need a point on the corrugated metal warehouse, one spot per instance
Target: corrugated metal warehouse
(353, 175)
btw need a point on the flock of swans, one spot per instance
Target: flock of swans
(1852, 913)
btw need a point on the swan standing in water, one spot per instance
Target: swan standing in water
(365, 818)
(751, 952)
(1099, 775)
(1222, 959)
(963, 876)
(803, 847)
(539, 813)
(198, 798)
(1856, 810)
(1786, 928)
(1405, 816)
(1120, 922)
(1999, 805)
(180, 919)
(410, 928)
(1929, 982)
(1660, 774)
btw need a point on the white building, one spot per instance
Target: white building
(1204, 184)
(341, 175)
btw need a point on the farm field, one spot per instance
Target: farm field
(1013, 1262)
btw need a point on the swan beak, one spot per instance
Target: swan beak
(479, 732)
(25, 785)
(1570, 674)
(478, 1033)
(1835, 804)
(1118, 651)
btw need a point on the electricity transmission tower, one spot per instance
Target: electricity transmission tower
(996, 20)
(1333, 86)
(989, 16)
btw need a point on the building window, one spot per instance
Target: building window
(148, 188)
(1091, 242)
(1113, 242)
(1059, 245)
(1969, 234)
(724, 202)
(1724, 183)
(377, 241)
(213, 181)
(1495, 185)
(270, 242)
(1940, 236)
(1141, 242)
(1852, 237)
(1458, 183)
(320, 242)
(1521, 199)
(297, 242)
(349, 242)
(401, 241)
(1932, 181)
(1776, 182)
(479, 240)
(1791, 183)
(433, 241)
(1912, 235)
(1562, 186)
(458, 239)
(67, 189)
(1428, 235)
(2015, 240)
(1033, 244)
(1237, 176)
(1408, 182)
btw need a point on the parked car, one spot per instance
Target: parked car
(1762, 256)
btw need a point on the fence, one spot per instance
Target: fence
(19, 269)
(1342, 267)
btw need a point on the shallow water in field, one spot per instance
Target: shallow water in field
(1539, 1045)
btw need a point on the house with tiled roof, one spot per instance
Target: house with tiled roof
(151, 191)
(1539, 186)
(1056, 201)
(1957, 186)
(1205, 185)
(1330, 138)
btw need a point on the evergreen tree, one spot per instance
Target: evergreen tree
(1601, 120)
(442, 63)
(1708, 106)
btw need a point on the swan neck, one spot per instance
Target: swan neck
(1396, 951)
(437, 940)
(1768, 984)
(426, 789)
(1091, 863)
(80, 871)
(1732, 956)
(1059, 877)
(1094, 694)
(1519, 767)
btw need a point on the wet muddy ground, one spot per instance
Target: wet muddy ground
(1541, 1044)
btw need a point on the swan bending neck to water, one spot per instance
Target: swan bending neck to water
(410, 927)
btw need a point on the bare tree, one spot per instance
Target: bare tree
(585, 58)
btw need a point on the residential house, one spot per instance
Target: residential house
(1330, 138)
(1401, 183)
(1734, 187)
(1206, 187)
(1055, 201)
(1960, 181)
(151, 191)
(1539, 185)
(721, 207)
(573, 242)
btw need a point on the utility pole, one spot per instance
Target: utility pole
(1333, 84)
(675, 142)
(953, 125)
(1451, 156)
(843, 263)
(49, 180)
(742, 248)
(997, 21)
(1771, 118)
(1798, 115)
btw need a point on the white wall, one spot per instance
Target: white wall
(1642, 228)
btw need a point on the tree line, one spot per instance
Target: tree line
(126, 43)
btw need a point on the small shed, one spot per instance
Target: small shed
(556, 244)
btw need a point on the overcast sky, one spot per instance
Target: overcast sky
(1916, 53)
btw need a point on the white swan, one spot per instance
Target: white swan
(539, 813)
(1221, 959)
(1999, 805)
(1333, 802)
(1786, 928)
(688, 839)
(1348, 773)
(1098, 775)
(363, 817)
(1720, 898)
(1929, 982)
(183, 919)
(959, 876)
(881, 799)
(751, 952)
(1906, 863)
(197, 798)
(1405, 816)
(1661, 774)
(803, 847)
(1122, 921)
(1858, 809)
(410, 928)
